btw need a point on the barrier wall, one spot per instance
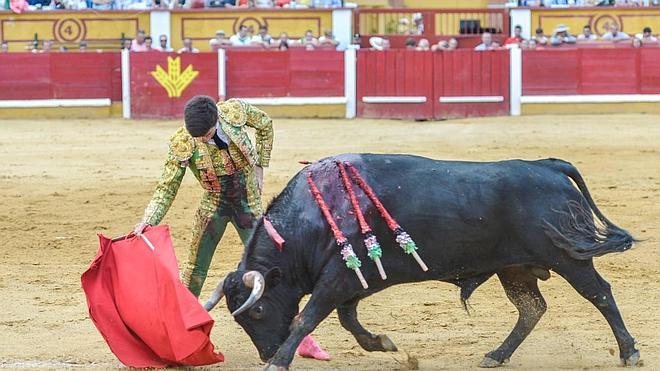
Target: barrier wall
(591, 71)
(590, 81)
(403, 84)
(295, 73)
(423, 85)
(162, 83)
(394, 84)
(28, 76)
(201, 25)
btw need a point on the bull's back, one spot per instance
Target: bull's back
(462, 212)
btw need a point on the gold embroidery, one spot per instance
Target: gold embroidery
(232, 112)
(182, 145)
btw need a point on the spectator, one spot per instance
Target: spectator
(309, 39)
(540, 38)
(263, 3)
(188, 47)
(162, 39)
(219, 41)
(126, 44)
(524, 44)
(283, 42)
(63, 49)
(637, 43)
(82, 47)
(587, 35)
(148, 41)
(516, 38)
(102, 4)
(418, 19)
(48, 45)
(614, 34)
(34, 46)
(423, 45)
(328, 39)
(487, 42)
(410, 43)
(561, 36)
(532, 44)
(357, 39)
(453, 44)
(263, 37)
(57, 4)
(647, 36)
(223, 3)
(379, 43)
(241, 38)
(5, 47)
(138, 45)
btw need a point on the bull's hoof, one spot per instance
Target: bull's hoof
(270, 367)
(491, 363)
(376, 343)
(387, 344)
(633, 360)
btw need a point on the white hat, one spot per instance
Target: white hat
(561, 28)
(376, 42)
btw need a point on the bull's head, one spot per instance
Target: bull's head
(261, 305)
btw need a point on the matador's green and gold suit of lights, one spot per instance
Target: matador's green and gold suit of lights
(231, 192)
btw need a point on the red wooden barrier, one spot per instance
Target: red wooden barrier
(27, 76)
(591, 71)
(151, 99)
(472, 76)
(293, 73)
(395, 74)
(474, 83)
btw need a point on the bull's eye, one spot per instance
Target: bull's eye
(257, 311)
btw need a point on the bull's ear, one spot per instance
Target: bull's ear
(273, 277)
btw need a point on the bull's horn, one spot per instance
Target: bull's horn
(215, 296)
(255, 280)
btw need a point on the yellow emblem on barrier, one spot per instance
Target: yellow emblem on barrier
(174, 81)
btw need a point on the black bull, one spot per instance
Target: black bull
(516, 219)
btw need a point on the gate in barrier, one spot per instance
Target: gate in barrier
(410, 84)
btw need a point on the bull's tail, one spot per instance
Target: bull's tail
(578, 233)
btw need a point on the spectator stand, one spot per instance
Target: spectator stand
(466, 25)
(201, 24)
(629, 20)
(100, 30)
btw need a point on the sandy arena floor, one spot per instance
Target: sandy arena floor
(63, 181)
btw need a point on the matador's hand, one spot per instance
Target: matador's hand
(139, 228)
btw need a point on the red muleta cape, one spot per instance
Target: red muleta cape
(144, 312)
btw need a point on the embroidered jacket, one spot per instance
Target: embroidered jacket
(206, 161)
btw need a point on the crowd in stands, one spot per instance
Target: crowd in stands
(22, 5)
(245, 37)
(570, 3)
(561, 35)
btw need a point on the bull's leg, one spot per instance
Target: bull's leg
(347, 313)
(324, 300)
(583, 277)
(522, 290)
